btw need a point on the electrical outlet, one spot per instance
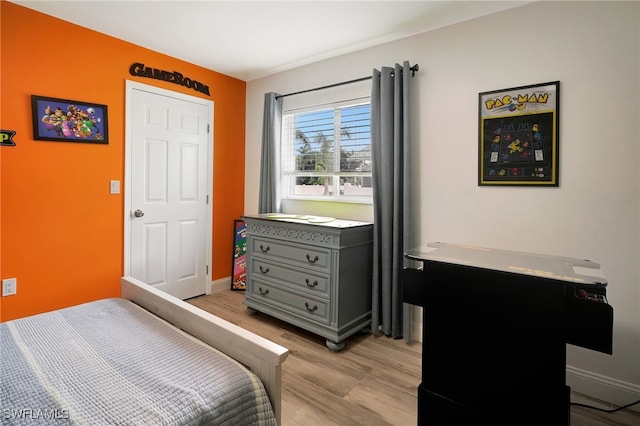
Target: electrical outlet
(9, 286)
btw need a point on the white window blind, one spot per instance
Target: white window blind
(326, 152)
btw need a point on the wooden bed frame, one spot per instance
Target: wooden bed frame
(263, 357)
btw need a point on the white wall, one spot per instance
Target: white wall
(592, 48)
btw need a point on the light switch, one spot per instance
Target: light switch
(115, 186)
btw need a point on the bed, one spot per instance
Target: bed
(145, 358)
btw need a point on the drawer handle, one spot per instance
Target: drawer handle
(265, 270)
(315, 307)
(314, 260)
(313, 284)
(264, 249)
(263, 292)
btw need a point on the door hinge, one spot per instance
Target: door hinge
(207, 198)
(208, 128)
(207, 269)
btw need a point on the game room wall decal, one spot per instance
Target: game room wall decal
(6, 137)
(63, 120)
(518, 138)
(175, 77)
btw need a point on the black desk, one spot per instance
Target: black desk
(496, 325)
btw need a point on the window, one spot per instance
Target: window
(326, 153)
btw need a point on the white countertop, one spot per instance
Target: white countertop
(552, 267)
(330, 222)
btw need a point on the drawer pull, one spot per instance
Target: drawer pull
(313, 284)
(265, 270)
(315, 307)
(263, 292)
(264, 249)
(314, 260)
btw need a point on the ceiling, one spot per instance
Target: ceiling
(253, 39)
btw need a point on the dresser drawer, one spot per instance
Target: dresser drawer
(297, 254)
(317, 284)
(307, 307)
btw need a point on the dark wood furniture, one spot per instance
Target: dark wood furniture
(496, 325)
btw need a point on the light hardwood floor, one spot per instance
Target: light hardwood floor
(372, 381)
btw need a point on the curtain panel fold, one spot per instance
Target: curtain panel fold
(269, 191)
(391, 172)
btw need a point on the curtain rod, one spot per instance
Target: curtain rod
(415, 68)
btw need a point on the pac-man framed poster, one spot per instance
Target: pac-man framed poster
(518, 137)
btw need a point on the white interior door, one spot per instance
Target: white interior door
(168, 213)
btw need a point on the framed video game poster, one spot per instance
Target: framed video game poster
(518, 140)
(239, 268)
(64, 120)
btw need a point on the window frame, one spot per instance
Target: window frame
(288, 174)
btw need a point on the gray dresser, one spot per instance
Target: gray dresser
(316, 276)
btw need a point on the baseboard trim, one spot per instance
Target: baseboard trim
(416, 332)
(219, 285)
(604, 388)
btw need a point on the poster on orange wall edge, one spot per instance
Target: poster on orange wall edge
(239, 268)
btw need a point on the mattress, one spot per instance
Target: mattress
(110, 362)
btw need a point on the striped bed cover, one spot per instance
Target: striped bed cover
(111, 362)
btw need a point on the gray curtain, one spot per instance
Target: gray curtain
(269, 198)
(392, 233)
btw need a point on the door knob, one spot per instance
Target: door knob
(138, 213)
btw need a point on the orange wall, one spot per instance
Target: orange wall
(61, 230)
